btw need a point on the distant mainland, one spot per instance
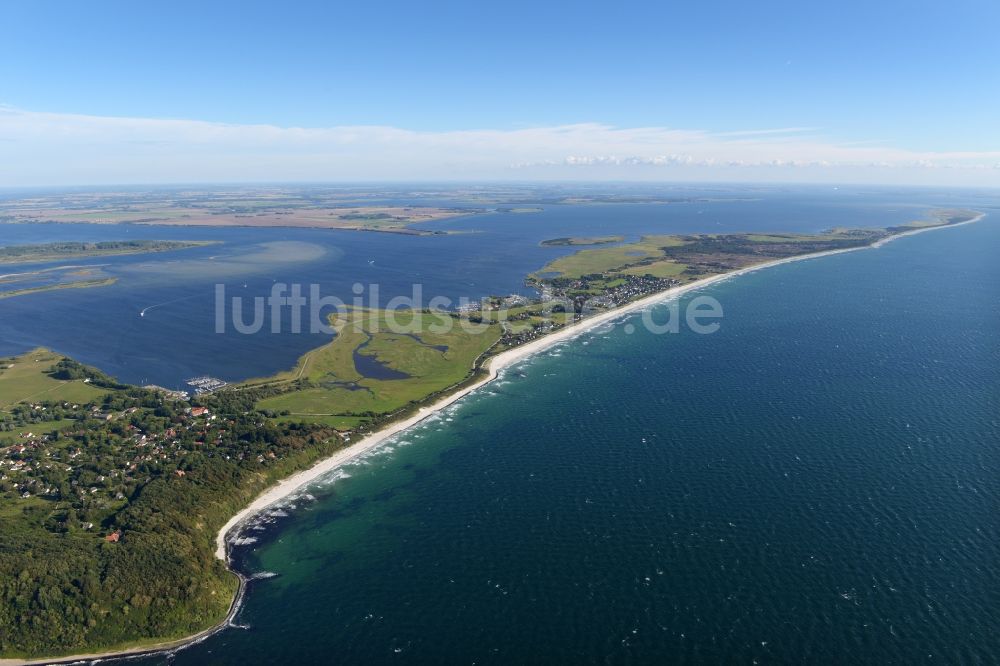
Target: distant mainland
(333, 208)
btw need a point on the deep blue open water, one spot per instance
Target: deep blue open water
(817, 482)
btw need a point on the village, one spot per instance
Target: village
(564, 301)
(81, 464)
(84, 461)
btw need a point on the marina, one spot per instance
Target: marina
(205, 384)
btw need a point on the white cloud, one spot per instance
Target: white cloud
(65, 149)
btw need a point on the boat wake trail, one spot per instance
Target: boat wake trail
(142, 313)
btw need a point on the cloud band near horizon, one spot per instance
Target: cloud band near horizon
(55, 149)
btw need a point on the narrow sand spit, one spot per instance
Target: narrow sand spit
(493, 367)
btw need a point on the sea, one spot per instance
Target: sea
(818, 481)
(158, 323)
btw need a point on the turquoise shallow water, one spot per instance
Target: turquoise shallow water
(819, 481)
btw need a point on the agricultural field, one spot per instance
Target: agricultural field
(239, 213)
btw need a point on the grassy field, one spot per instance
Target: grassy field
(694, 257)
(605, 259)
(775, 238)
(23, 378)
(338, 393)
(943, 216)
(44, 428)
(332, 420)
(660, 269)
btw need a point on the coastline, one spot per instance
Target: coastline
(143, 650)
(493, 367)
(503, 360)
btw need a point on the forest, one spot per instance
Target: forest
(109, 509)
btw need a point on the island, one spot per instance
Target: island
(520, 210)
(75, 284)
(570, 241)
(34, 280)
(19, 254)
(119, 502)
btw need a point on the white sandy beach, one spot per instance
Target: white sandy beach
(493, 367)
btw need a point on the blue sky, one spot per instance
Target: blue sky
(911, 76)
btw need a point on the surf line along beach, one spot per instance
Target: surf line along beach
(493, 367)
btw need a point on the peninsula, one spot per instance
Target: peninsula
(120, 500)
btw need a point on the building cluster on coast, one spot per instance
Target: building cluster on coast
(634, 287)
(567, 301)
(599, 291)
(168, 393)
(172, 441)
(74, 465)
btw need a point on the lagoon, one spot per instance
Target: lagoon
(175, 338)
